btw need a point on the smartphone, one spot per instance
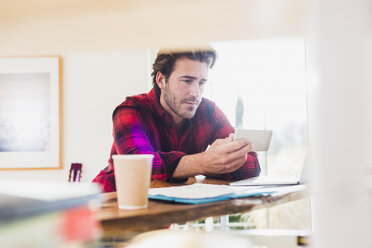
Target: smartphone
(260, 139)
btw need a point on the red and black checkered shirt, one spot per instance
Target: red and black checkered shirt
(142, 126)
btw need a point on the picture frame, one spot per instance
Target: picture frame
(30, 113)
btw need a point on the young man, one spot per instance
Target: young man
(176, 124)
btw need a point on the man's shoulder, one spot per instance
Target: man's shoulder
(140, 103)
(135, 101)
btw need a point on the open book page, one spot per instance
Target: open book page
(199, 190)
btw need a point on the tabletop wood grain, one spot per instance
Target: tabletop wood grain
(115, 221)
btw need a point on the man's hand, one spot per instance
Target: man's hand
(225, 156)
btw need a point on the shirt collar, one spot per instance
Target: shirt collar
(155, 104)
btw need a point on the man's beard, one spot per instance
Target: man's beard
(171, 101)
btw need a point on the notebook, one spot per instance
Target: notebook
(206, 193)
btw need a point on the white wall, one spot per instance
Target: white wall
(94, 83)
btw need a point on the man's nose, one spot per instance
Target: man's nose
(195, 90)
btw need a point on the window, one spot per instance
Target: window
(265, 81)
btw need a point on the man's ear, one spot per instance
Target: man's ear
(160, 80)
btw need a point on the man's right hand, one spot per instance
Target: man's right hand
(225, 156)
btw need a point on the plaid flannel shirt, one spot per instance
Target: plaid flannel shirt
(142, 126)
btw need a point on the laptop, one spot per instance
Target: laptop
(274, 180)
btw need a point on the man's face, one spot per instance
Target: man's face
(183, 90)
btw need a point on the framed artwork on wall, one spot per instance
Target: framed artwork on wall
(30, 113)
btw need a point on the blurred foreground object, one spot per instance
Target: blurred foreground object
(194, 239)
(340, 117)
(47, 214)
(113, 25)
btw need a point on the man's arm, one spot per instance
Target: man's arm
(224, 156)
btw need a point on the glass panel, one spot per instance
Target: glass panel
(265, 81)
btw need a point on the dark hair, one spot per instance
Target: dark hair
(166, 60)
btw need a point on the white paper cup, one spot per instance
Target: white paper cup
(132, 178)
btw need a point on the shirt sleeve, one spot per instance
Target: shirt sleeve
(130, 138)
(222, 128)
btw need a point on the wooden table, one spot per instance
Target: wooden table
(116, 222)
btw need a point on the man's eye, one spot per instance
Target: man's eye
(187, 81)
